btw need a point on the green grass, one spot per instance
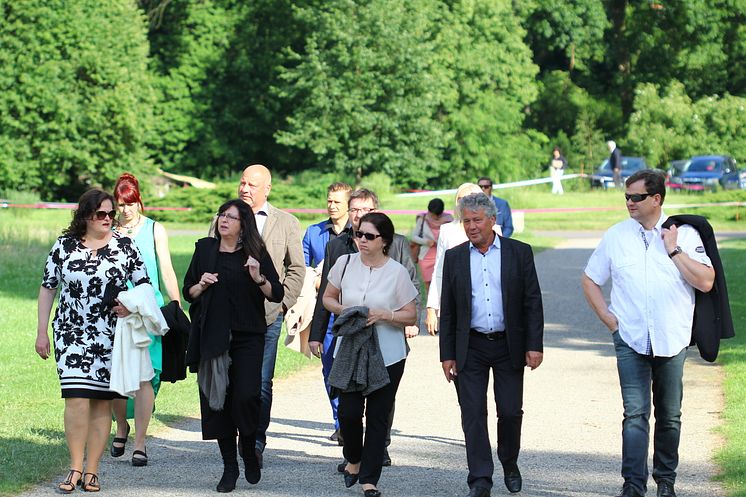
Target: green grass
(731, 457)
(32, 444)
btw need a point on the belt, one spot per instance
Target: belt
(498, 335)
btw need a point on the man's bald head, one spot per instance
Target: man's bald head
(256, 182)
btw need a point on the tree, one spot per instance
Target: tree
(364, 91)
(75, 95)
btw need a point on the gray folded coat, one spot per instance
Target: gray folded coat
(358, 365)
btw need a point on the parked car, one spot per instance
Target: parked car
(711, 172)
(673, 175)
(604, 176)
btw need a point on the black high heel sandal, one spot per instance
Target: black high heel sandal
(92, 485)
(139, 458)
(119, 451)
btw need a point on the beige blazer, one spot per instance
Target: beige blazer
(282, 236)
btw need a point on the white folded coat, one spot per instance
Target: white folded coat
(130, 357)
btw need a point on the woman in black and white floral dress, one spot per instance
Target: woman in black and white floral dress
(86, 260)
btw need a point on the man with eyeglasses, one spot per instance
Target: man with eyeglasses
(504, 216)
(654, 272)
(361, 202)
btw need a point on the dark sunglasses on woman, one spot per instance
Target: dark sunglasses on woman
(368, 236)
(101, 215)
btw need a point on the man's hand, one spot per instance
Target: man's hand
(670, 238)
(610, 321)
(449, 369)
(534, 359)
(315, 348)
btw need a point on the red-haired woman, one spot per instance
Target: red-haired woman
(151, 239)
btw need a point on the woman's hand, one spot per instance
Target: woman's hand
(411, 331)
(42, 345)
(375, 315)
(431, 321)
(316, 348)
(252, 265)
(120, 310)
(208, 279)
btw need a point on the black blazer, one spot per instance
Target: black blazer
(712, 318)
(174, 343)
(524, 312)
(210, 333)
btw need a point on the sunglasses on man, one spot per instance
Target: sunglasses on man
(368, 236)
(485, 187)
(101, 215)
(637, 197)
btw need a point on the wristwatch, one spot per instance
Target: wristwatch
(264, 280)
(675, 252)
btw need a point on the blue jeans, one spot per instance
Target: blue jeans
(637, 374)
(327, 359)
(268, 372)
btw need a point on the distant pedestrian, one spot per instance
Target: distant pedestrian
(557, 166)
(615, 163)
(492, 321)
(654, 272)
(504, 216)
(425, 237)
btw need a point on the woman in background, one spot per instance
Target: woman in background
(151, 239)
(425, 234)
(451, 235)
(557, 165)
(89, 263)
(227, 283)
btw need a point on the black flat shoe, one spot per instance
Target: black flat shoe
(119, 451)
(350, 479)
(228, 481)
(342, 466)
(252, 469)
(513, 481)
(372, 492)
(139, 458)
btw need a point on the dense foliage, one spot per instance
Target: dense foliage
(427, 93)
(75, 94)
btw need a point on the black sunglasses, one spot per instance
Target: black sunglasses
(637, 197)
(101, 215)
(485, 187)
(368, 236)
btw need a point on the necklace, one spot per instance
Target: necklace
(130, 229)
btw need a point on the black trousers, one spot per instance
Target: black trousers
(471, 386)
(243, 400)
(377, 408)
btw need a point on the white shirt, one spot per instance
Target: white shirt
(649, 296)
(261, 217)
(387, 287)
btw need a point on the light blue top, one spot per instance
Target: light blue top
(486, 291)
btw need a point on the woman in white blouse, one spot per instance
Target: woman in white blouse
(451, 234)
(372, 279)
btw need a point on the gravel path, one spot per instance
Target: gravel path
(571, 429)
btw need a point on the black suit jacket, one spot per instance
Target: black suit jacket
(522, 306)
(712, 317)
(615, 159)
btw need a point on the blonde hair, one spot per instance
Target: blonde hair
(462, 191)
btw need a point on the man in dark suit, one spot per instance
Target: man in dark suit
(491, 318)
(615, 163)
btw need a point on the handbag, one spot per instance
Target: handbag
(414, 247)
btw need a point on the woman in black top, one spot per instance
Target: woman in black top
(227, 282)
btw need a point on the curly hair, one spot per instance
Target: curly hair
(88, 204)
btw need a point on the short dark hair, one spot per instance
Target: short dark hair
(655, 181)
(556, 149)
(384, 226)
(88, 204)
(249, 238)
(485, 178)
(364, 194)
(436, 206)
